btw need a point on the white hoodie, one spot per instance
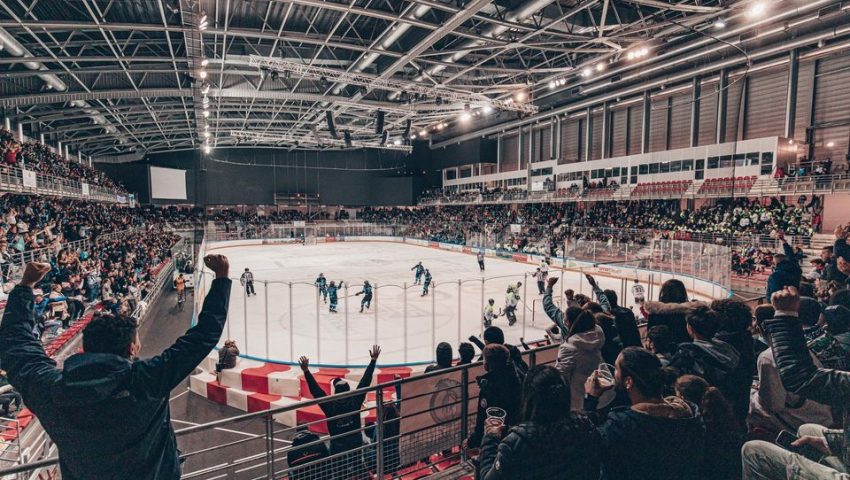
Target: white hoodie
(578, 357)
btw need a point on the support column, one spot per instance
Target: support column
(810, 133)
(530, 157)
(628, 131)
(668, 122)
(588, 133)
(557, 140)
(742, 110)
(791, 96)
(722, 95)
(645, 123)
(20, 131)
(41, 138)
(553, 138)
(499, 154)
(59, 148)
(606, 130)
(696, 92)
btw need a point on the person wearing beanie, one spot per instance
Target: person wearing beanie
(499, 387)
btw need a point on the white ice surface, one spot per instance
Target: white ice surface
(440, 316)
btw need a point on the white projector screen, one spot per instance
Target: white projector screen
(168, 183)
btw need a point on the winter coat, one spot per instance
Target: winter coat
(800, 376)
(672, 315)
(566, 450)
(444, 358)
(742, 342)
(227, 357)
(651, 441)
(626, 326)
(306, 463)
(108, 415)
(498, 388)
(578, 356)
(717, 362)
(786, 273)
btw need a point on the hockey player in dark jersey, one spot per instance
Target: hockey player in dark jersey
(427, 283)
(322, 284)
(367, 296)
(333, 288)
(418, 270)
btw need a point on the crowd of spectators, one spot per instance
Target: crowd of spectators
(38, 157)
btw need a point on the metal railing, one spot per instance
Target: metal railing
(18, 180)
(764, 186)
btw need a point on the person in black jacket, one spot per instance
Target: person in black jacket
(625, 321)
(306, 457)
(444, 357)
(655, 438)
(800, 375)
(499, 387)
(107, 411)
(714, 360)
(786, 270)
(735, 321)
(344, 429)
(549, 443)
(670, 309)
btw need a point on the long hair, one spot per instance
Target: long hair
(583, 323)
(673, 291)
(545, 396)
(715, 408)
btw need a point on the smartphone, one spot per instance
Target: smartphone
(786, 438)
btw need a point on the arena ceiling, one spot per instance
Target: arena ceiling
(112, 77)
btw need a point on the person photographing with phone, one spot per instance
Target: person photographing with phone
(107, 410)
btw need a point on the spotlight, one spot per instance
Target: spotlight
(397, 142)
(413, 137)
(487, 109)
(206, 127)
(830, 144)
(206, 62)
(206, 114)
(423, 133)
(630, 55)
(720, 24)
(600, 67)
(207, 134)
(552, 85)
(207, 149)
(757, 9)
(202, 74)
(465, 117)
(205, 88)
(791, 142)
(644, 52)
(520, 96)
(586, 72)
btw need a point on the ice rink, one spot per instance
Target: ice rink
(282, 323)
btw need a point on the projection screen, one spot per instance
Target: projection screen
(168, 183)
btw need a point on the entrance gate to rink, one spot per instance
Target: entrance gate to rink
(416, 325)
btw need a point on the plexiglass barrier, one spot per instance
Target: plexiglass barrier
(287, 319)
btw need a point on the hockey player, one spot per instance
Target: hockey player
(511, 301)
(247, 281)
(515, 287)
(427, 283)
(540, 277)
(418, 271)
(332, 293)
(544, 267)
(490, 314)
(481, 259)
(367, 296)
(638, 292)
(322, 284)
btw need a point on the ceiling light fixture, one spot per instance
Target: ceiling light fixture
(205, 62)
(757, 9)
(202, 74)
(487, 109)
(720, 24)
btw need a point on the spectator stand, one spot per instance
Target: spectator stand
(18, 180)
(22, 440)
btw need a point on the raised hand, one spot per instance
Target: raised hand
(218, 264)
(787, 299)
(34, 272)
(304, 363)
(590, 279)
(375, 352)
(551, 282)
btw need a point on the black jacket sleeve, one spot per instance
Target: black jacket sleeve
(497, 459)
(364, 382)
(157, 376)
(797, 370)
(30, 370)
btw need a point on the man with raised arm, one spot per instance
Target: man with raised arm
(106, 410)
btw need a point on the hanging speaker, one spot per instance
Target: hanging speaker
(406, 133)
(347, 135)
(379, 123)
(384, 137)
(331, 125)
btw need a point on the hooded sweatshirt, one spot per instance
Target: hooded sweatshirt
(578, 356)
(658, 441)
(108, 415)
(715, 361)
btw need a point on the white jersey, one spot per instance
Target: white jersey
(489, 314)
(511, 299)
(539, 275)
(544, 267)
(246, 277)
(638, 292)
